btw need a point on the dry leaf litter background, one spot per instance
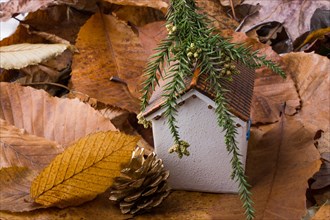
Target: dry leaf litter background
(111, 47)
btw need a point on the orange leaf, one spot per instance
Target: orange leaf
(118, 60)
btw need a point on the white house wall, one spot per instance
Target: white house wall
(208, 167)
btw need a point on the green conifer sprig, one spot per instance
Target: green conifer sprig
(193, 43)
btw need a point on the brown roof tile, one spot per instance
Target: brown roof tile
(239, 94)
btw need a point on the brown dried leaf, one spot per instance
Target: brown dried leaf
(281, 158)
(118, 60)
(60, 120)
(20, 149)
(311, 75)
(157, 4)
(295, 15)
(15, 189)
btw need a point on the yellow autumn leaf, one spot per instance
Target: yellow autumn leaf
(84, 170)
(18, 56)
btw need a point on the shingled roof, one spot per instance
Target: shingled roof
(239, 91)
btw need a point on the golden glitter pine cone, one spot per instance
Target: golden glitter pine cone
(143, 184)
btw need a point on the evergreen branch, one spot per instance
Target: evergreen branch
(155, 64)
(244, 54)
(172, 93)
(226, 121)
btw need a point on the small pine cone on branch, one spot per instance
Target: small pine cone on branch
(143, 184)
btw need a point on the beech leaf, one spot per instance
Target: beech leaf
(115, 77)
(21, 55)
(57, 119)
(84, 170)
(17, 148)
(15, 185)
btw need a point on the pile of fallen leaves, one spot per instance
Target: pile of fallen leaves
(74, 85)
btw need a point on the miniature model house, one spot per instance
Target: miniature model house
(208, 167)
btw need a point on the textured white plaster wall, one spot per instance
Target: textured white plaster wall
(208, 167)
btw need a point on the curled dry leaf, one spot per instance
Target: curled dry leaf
(84, 170)
(157, 4)
(281, 159)
(311, 75)
(295, 15)
(21, 55)
(60, 120)
(118, 60)
(17, 148)
(15, 189)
